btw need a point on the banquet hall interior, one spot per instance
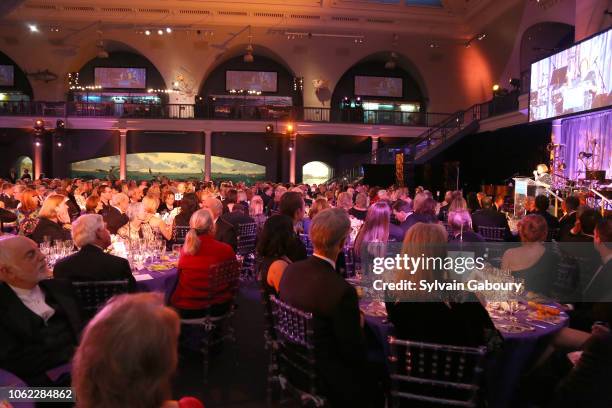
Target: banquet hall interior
(214, 203)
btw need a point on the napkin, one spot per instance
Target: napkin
(143, 277)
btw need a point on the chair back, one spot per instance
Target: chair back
(224, 276)
(93, 295)
(307, 243)
(436, 374)
(346, 262)
(294, 333)
(247, 235)
(492, 234)
(179, 232)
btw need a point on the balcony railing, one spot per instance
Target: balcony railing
(206, 111)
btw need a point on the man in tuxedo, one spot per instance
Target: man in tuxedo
(542, 204)
(238, 215)
(40, 319)
(312, 285)
(105, 193)
(599, 289)
(116, 216)
(91, 263)
(489, 217)
(224, 231)
(401, 210)
(567, 222)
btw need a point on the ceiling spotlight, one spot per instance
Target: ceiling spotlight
(33, 28)
(59, 144)
(160, 32)
(147, 32)
(37, 143)
(481, 37)
(39, 123)
(289, 127)
(269, 128)
(495, 88)
(55, 29)
(168, 30)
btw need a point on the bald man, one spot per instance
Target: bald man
(224, 231)
(40, 319)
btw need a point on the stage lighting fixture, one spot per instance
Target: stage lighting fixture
(33, 28)
(59, 143)
(290, 128)
(160, 32)
(269, 128)
(495, 88)
(39, 123)
(147, 32)
(168, 30)
(60, 124)
(37, 142)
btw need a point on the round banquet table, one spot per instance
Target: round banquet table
(162, 281)
(503, 372)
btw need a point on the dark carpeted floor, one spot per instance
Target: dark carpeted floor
(229, 385)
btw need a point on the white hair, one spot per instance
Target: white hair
(85, 227)
(119, 198)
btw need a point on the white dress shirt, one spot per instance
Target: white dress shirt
(34, 299)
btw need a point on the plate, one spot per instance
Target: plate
(546, 317)
(514, 328)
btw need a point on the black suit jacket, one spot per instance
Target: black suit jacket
(9, 202)
(415, 218)
(566, 223)
(314, 286)
(92, 264)
(114, 219)
(490, 217)
(236, 218)
(599, 289)
(7, 216)
(551, 220)
(51, 229)
(225, 232)
(21, 346)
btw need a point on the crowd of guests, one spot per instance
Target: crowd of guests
(41, 324)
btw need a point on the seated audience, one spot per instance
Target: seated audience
(238, 215)
(201, 250)
(599, 288)
(128, 356)
(145, 223)
(542, 204)
(375, 231)
(53, 220)
(499, 203)
(490, 217)
(93, 205)
(91, 263)
(584, 227)
(224, 230)
(273, 248)
(318, 205)
(444, 206)
(360, 209)
(167, 204)
(256, 211)
(460, 223)
(532, 261)
(424, 210)
(341, 348)
(568, 220)
(344, 201)
(27, 213)
(116, 216)
(460, 319)
(40, 319)
(189, 205)
(292, 205)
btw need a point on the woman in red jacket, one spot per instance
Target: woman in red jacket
(192, 297)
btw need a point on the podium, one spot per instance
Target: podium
(523, 187)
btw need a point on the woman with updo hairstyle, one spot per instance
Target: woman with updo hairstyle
(533, 261)
(128, 355)
(201, 250)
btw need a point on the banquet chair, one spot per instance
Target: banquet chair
(295, 354)
(179, 233)
(93, 295)
(212, 329)
(307, 243)
(553, 234)
(346, 262)
(492, 234)
(247, 236)
(435, 374)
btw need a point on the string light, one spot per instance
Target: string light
(161, 90)
(85, 88)
(244, 91)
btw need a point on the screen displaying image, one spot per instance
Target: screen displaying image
(178, 166)
(378, 86)
(251, 80)
(575, 80)
(6, 75)
(121, 77)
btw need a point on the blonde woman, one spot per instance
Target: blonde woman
(256, 211)
(135, 372)
(459, 319)
(54, 222)
(201, 250)
(144, 222)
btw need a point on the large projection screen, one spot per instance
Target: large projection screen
(378, 86)
(262, 81)
(134, 78)
(6, 75)
(575, 80)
